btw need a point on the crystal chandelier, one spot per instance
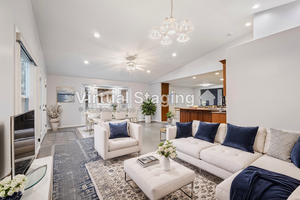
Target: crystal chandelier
(170, 27)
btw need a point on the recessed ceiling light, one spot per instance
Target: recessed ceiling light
(174, 54)
(222, 79)
(205, 85)
(248, 24)
(86, 62)
(148, 71)
(217, 73)
(96, 35)
(255, 6)
(194, 77)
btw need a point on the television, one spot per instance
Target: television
(22, 142)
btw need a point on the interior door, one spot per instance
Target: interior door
(41, 103)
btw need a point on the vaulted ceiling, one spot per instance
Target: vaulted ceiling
(66, 29)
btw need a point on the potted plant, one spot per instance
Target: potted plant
(148, 109)
(170, 117)
(54, 113)
(12, 189)
(114, 105)
(167, 150)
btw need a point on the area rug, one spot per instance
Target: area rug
(84, 133)
(71, 180)
(110, 184)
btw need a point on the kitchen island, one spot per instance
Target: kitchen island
(202, 114)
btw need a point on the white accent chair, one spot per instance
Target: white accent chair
(111, 148)
(121, 115)
(106, 116)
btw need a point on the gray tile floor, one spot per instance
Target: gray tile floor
(151, 133)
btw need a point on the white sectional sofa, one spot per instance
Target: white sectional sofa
(227, 162)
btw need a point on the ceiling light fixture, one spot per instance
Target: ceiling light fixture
(174, 54)
(170, 27)
(206, 85)
(96, 35)
(131, 65)
(255, 6)
(148, 71)
(194, 77)
(86, 62)
(222, 79)
(248, 24)
(217, 73)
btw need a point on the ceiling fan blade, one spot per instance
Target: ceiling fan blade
(140, 68)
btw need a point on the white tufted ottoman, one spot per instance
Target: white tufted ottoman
(154, 181)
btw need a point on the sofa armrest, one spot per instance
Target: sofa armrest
(101, 141)
(135, 131)
(171, 133)
(295, 195)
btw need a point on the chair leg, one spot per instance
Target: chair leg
(104, 162)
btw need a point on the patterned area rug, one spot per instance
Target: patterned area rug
(71, 180)
(110, 184)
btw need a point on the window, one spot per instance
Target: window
(24, 82)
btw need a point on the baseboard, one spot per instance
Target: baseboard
(72, 126)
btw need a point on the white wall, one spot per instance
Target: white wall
(205, 64)
(276, 20)
(13, 13)
(263, 82)
(71, 116)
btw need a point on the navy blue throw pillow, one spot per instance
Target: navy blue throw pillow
(207, 131)
(184, 130)
(295, 155)
(240, 137)
(118, 130)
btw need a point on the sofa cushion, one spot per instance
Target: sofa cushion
(118, 130)
(121, 143)
(260, 140)
(295, 155)
(221, 133)
(227, 158)
(240, 137)
(191, 146)
(105, 125)
(184, 130)
(264, 162)
(278, 166)
(282, 144)
(207, 131)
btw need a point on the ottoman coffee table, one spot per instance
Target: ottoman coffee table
(154, 181)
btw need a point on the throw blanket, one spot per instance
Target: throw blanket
(254, 183)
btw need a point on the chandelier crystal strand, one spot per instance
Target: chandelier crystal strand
(170, 27)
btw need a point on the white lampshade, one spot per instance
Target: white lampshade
(183, 37)
(166, 40)
(186, 27)
(155, 34)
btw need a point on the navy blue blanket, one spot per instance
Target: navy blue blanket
(254, 183)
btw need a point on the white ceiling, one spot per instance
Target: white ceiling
(66, 29)
(209, 78)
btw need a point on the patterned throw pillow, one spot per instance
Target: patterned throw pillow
(282, 144)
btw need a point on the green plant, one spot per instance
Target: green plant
(170, 115)
(148, 107)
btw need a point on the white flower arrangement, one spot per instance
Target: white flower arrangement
(167, 149)
(8, 187)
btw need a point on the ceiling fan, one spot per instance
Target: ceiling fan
(131, 65)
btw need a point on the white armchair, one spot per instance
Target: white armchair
(111, 148)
